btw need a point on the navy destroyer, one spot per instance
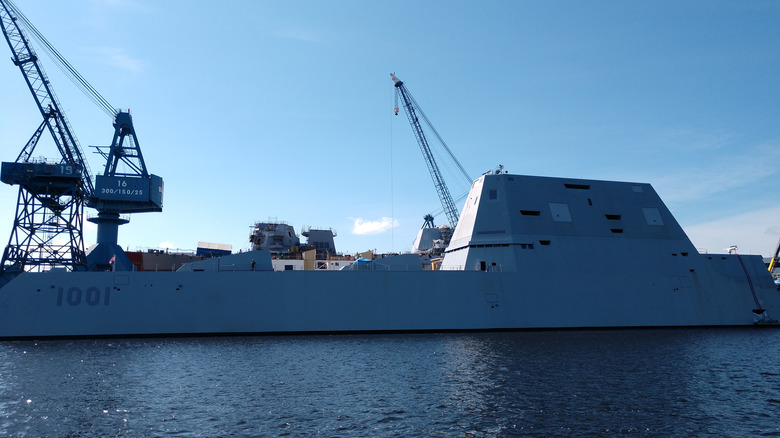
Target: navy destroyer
(524, 252)
(528, 252)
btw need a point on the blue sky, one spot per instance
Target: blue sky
(258, 110)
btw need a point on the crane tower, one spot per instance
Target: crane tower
(48, 226)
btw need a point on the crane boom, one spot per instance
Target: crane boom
(438, 181)
(26, 59)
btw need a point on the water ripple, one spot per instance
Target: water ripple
(703, 382)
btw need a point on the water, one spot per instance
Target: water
(667, 382)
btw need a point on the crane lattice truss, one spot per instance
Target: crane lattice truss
(45, 233)
(412, 109)
(48, 226)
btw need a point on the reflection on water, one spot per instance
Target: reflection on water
(672, 382)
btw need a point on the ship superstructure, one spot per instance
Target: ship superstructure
(289, 254)
(432, 240)
(276, 237)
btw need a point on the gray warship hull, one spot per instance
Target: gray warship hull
(529, 252)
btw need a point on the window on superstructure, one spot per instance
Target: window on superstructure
(493, 194)
(530, 212)
(577, 186)
(613, 217)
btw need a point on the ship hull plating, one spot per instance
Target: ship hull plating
(150, 303)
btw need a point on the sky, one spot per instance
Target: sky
(283, 111)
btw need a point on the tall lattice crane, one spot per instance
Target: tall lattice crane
(412, 110)
(48, 226)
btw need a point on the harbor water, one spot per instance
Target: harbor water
(646, 382)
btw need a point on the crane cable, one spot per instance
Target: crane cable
(463, 182)
(64, 65)
(436, 133)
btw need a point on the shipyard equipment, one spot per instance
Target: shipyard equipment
(48, 226)
(773, 261)
(412, 111)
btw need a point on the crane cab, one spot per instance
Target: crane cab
(129, 194)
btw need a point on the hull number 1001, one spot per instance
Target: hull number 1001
(74, 296)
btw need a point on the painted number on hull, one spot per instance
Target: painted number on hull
(74, 296)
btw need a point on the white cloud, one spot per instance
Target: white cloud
(714, 175)
(111, 3)
(362, 226)
(166, 244)
(125, 62)
(116, 57)
(687, 139)
(123, 5)
(302, 35)
(754, 232)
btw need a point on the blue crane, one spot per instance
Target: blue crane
(48, 227)
(412, 109)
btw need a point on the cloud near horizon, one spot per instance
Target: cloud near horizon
(754, 232)
(364, 227)
(116, 57)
